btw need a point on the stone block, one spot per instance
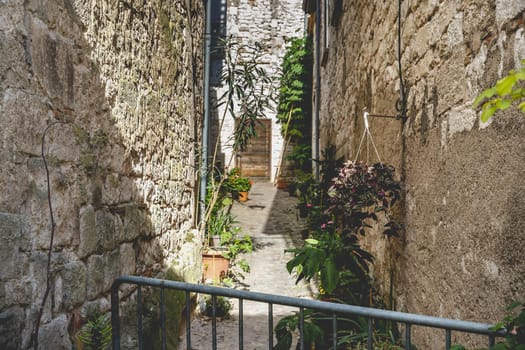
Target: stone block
(12, 48)
(37, 275)
(507, 10)
(65, 213)
(88, 233)
(106, 230)
(118, 189)
(119, 229)
(54, 335)
(519, 47)
(136, 223)
(11, 321)
(112, 268)
(100, 305)
(455, 31)
(13, 240)
(127, 259)
(11, 12)
(187, 263)
(52, 61)
(461, 118)
(18, 292)
(74, 279)
(95, 276)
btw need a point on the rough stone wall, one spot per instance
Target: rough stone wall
(461, 255)
(270, 23)
(119, 76)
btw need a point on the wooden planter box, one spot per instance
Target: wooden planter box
(214, 266)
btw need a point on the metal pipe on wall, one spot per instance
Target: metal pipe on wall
(205, 126)
(315, 119)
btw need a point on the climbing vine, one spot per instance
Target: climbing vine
(295, 98)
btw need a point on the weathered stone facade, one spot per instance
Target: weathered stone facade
(124, 80)
(461, 255)
(271, 24)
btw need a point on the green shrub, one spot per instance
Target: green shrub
(222, 306)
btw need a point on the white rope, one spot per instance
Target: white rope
(360, 144)
(369, 137)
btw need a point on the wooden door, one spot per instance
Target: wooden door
(255, 161)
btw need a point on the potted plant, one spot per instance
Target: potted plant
(219, 222)
(235, 244)
(223, 261)
(214, 261)
(238, 185)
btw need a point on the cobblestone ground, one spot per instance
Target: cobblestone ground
(269, 217)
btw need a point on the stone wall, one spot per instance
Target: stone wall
(271, 24)
(123, 79)
(461, 254)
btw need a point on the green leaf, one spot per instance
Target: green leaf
(503, 104)
(505, 85)
(311, 241)
(484, 95)
(520, 75)
(488, 113)
(284, 342)
(514, 304)
(521, 318)
(329, 275)
(312, 264)
(298, 260)
(499, 346)
(299, 269)
(457, 347)
(312, 333)
(497, 327)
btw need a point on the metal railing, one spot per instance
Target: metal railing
(336, 310)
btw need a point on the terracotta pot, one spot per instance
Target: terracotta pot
(214, 266)
(282, 184)
(243, 196)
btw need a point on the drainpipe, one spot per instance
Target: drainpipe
(205, 127)
(315, 126)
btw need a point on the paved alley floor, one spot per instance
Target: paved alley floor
(269, 217)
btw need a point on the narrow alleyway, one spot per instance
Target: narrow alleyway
(269, 217)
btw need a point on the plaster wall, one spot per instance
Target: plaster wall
(271, 24)
(461, 255)
(118, 76)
